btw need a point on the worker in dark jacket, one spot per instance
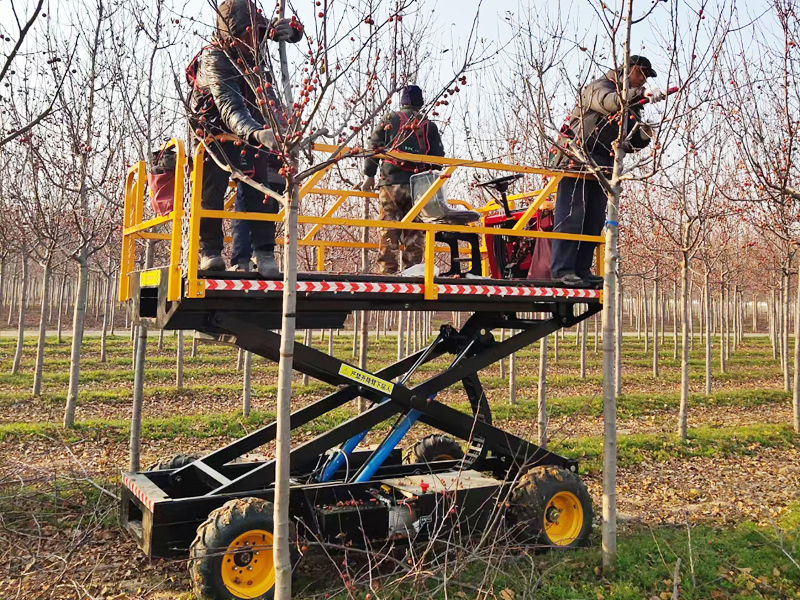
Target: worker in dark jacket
(231, 94)
(594, 126)
(404, 131)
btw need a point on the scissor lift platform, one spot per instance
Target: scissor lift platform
(325, 299)
(342, 491)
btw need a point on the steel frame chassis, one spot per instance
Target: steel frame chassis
(163, 509)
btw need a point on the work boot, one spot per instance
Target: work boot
(267, 267)
(242, 267)
(570, 280)
(211, 262)
(589, 278)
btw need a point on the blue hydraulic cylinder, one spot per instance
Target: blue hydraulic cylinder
(335, 462)
(390, 443)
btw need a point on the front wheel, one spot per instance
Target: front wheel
(231, 557)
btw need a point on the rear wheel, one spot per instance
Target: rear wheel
(231, 557)
(435, 448)
(551, 506)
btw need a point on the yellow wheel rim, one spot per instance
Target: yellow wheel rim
(247, 567)
(563, 518)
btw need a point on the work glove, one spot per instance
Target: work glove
(286, 30)
(368, 185)
(654, 96)
(266, 138)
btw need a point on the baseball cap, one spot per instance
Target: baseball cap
(644, 63)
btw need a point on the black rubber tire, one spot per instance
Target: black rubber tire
(436, 447)
(174, 462)
(532, 494)
(223, 526)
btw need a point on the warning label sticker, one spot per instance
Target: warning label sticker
(366, 379)
(150, 278)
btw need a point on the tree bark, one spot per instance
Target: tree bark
(23, 302)
(582, 326)
(542, 395)
(307, 341)
(138, 378)
(61, 299)
(512, 377)
(106, 314)
(707, 324)
(787, 376)
(612, 295)
(37, 374)
(796, 388)
(722, 357)
(684, 407)
(363, 348)
(179, 361)
(247, 373)
(401, 330)
(617, 338)
(675, 320)
(655, 325)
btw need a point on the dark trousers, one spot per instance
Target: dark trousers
(261, 234)
(580, 208)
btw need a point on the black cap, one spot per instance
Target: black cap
(642, 62)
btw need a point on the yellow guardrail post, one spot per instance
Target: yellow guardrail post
(549, 189)
(321, 258)
(174, 272)
(195, 288)
(431, 291)
(133, 181)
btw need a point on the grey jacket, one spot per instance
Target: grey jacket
(595, 121)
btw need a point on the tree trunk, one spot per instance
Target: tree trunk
(161, 339)
(617, 341)
(542, 396)
(512, 377)
(179, 361)
(401, 330)
(722, 361)
(23, 302)
(583, 325)
(755, 313)
(307, 341)
(37, 374)
(612, 296)
(2, 283)
(502, 361)
(796, 388)
(138, 377)
(787, 375)
(555, 347)
(707, 324)
(655, 325)
(193, 353)
(645, 316)
(596, 333)
(356, 330)
(247, 372)
(363, 348)
(675, 320)
(106, 314)
(113, 297)
(685, 316)
(330, 342)
(61, 299)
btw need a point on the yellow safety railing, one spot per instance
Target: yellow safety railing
(134, 227)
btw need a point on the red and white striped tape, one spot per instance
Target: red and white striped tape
(128, 483)
(354, 287)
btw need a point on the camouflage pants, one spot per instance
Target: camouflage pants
(395, 202)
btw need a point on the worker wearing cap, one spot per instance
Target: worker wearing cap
(593, 125)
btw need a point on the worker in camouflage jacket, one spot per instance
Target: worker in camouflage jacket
(232, 94)
(404, 131)
(594, 126)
